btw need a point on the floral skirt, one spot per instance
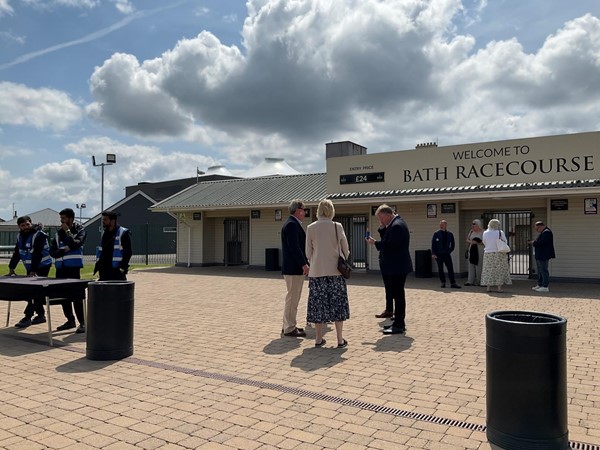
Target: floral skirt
(327, 299)
(495, 270)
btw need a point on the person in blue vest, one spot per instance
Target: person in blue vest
(442, 246)
(114, 252)
(33, 251)
(67, 250)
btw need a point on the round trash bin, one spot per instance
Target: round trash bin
(423, 264)
(109, 327)
(526, 359)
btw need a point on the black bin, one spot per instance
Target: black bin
(109, 324)
(526, 363)
(271, 259)
(423, 264)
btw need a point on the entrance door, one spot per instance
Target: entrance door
(517, 227)
(236, 241)
(355, 228)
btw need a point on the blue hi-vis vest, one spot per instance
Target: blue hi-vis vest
(72, 258)
(117, 255)
(26, 250)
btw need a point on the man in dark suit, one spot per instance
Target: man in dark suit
(294, 267)
(442, 246)
(544, 252)
(394, 262)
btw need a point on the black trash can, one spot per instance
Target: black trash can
(526, 359)
(423, 264)
(109, 327)
(271, 259)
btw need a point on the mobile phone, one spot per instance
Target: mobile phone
(367, 234)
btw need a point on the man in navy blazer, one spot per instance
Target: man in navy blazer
(442, 246)
(544, 252)
(294, 266)
(394, 263)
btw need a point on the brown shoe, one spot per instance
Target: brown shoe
(384, 315)
(295, 333)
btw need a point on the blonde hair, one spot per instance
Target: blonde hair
(326, 209)
(494, 224)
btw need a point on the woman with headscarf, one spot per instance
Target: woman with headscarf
(475, 253)
(495, 264)
(327, 294)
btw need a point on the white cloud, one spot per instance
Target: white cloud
(5, 8)
(41, 108)
(8, 36)
(124, 6)
(365, 70)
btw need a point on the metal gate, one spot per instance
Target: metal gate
(517, 227)
(236, 241)
(355, 228)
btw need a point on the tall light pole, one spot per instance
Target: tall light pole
(111, 158)
(80, 206)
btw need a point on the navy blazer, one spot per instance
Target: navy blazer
(293, 246)
(544, 245)
(437, 247)
(394, 256)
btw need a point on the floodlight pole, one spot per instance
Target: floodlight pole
(110, 159)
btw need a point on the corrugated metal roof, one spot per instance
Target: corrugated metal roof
(47, 216)
(248, 192)
(468, 189)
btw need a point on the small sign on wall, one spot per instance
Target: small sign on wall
(560, 204)
(448, 208)
(590, 206)
(197, 216)
(431, 210)
(255, 214)
(278, 214)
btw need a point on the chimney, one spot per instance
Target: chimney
(345, 148)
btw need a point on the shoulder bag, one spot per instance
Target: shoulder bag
(343, 266)
(501, 244)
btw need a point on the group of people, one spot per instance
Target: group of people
(36, 253)
(314, 254)
(488, 266)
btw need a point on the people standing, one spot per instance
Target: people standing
(475, 253)
(294, 267)
(442, 246)
(495, 264)
(114, 253)
(394, 263)
(67, 250)
(328, 296)
(544, 252)
(34, 252)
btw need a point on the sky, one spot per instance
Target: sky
(173, 86)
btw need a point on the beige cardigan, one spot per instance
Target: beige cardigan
(322, 249)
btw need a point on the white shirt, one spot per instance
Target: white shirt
(489, 240)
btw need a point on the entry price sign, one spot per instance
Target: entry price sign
(357, 178)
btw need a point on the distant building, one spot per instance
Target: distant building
(9, 230)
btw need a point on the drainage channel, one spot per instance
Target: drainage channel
(318, 396)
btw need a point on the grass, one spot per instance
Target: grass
(86, 272)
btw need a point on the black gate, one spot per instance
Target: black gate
(236, 241)
(355, 228)
(517, 227)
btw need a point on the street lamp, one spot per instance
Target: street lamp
(111, 158)
(80, 206)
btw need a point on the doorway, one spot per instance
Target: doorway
(236, 241)
(355, 228)
(517, 228)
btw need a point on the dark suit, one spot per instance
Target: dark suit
(293, 246)
(395, 264)
(442, 246)
(544, 251)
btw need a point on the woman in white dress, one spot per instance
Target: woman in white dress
(495, 264)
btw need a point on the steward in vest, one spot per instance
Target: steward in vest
(67, 251)
(114, 252)
(33, 250)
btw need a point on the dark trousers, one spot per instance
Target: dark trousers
(111, 274)
(445, 258)
(394, 291)
(72, 272)
(37, 304)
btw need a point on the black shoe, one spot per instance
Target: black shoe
(67, 325)
(80, 329)
(443, 285)
(38, 319)
(469, 284)
(394, 330)
(23, 323)
(455, 286)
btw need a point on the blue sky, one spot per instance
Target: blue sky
(171, 86)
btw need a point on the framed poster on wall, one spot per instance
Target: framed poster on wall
(431, 210)
(590, 206)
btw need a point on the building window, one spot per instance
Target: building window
(169, 229)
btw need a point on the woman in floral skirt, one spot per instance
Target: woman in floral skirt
(495, 270)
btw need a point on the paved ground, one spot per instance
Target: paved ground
(210, 370)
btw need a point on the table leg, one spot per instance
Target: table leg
(8, 314)
(49, 321)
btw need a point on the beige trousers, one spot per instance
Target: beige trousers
(294, 285)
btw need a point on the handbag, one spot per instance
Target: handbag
(501, 244)
(343, 266)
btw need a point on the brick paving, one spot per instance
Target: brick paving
(210, 370)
